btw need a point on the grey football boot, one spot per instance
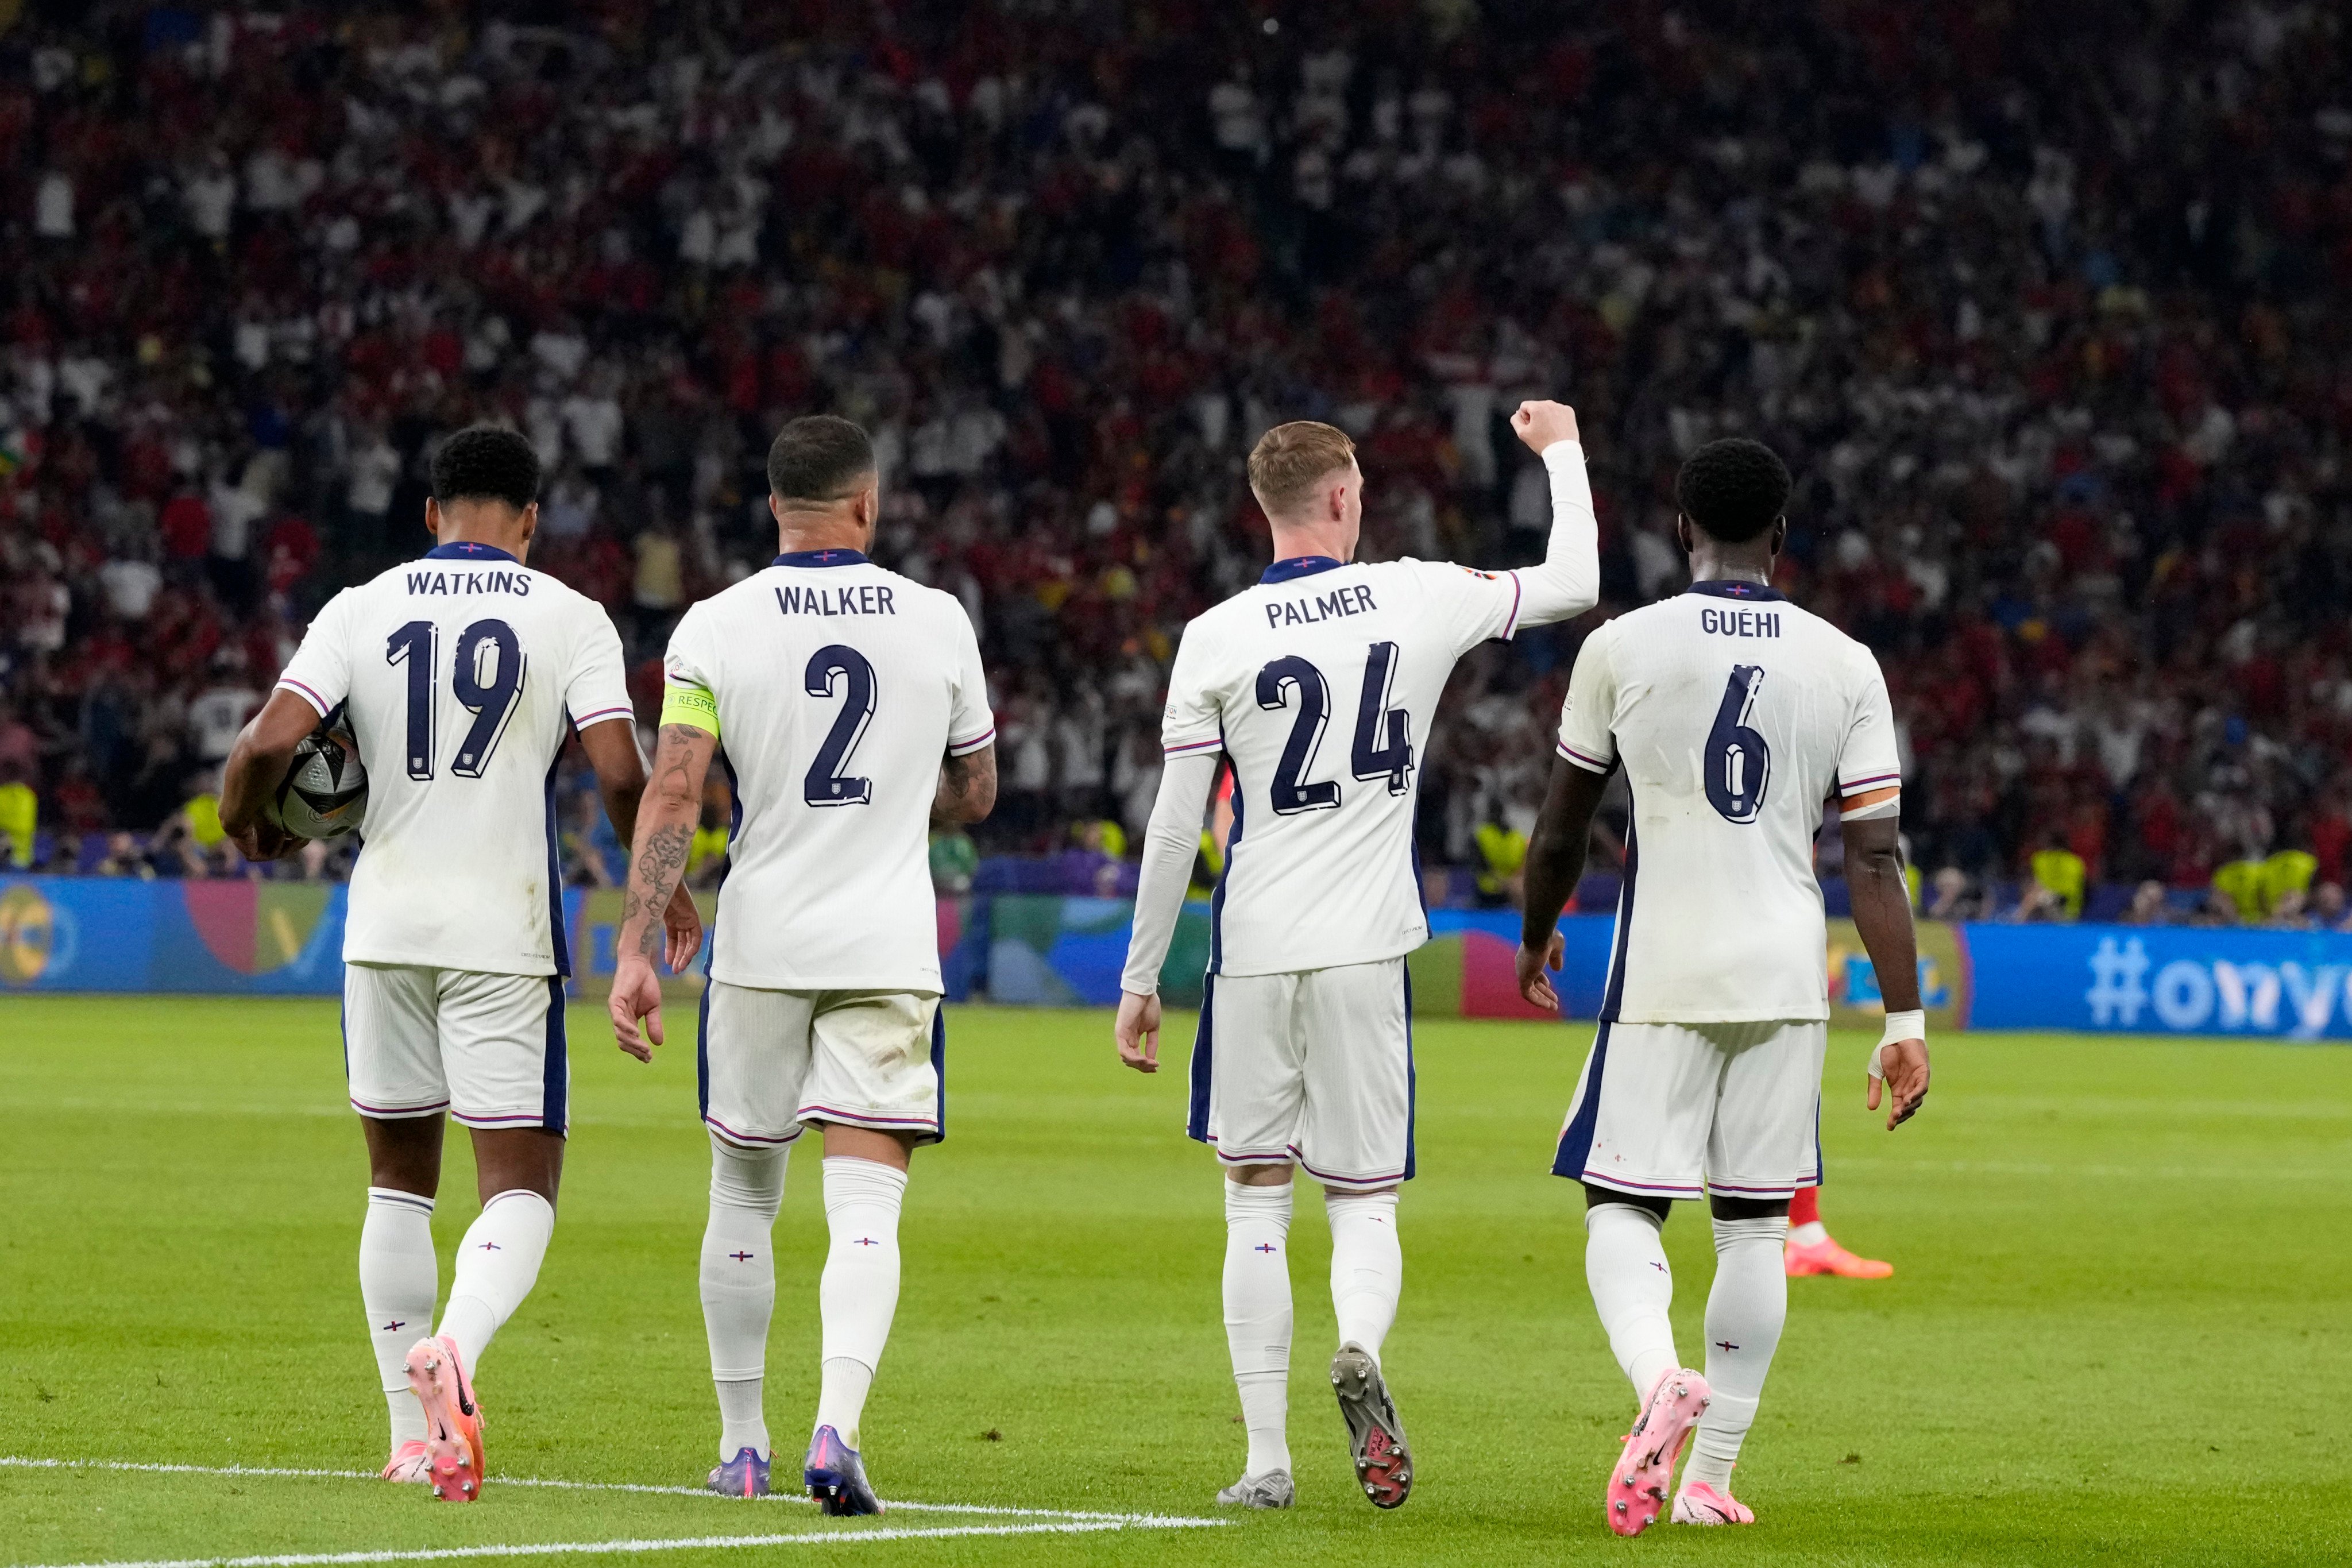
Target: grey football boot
(1375, 1437)
(1272, 1489)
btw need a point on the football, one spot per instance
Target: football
(324, 794)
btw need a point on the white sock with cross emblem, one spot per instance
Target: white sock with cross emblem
(1745, 1311)
(398, 1279)
(858, 1295)
(738, 1287)
(498, 1263)
(1258, 1317)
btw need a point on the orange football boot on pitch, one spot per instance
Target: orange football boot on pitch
(1826, 1257)
(453, 1420)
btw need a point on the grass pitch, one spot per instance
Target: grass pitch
(2116, 1335)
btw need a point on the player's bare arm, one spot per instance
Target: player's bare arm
(1882, 914)
(1169, 842)
(657, 855)
(967, 788)
(612, 749)
(257, 765)
(1555, 866)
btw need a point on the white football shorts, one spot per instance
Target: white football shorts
(1314, 1065)
(772, 1061)
(486, 1048)
(1678, 1111)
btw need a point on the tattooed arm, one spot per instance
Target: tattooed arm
(967, 788)
(612, 749)
(657, 855)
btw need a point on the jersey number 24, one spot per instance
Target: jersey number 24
(1382, 749)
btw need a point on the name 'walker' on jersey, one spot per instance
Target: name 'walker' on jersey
(1319, 684)
(838, 686)
(461, 674)
(1736, 716)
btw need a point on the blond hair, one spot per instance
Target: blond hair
(1290, 459)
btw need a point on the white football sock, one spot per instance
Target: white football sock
(498, 1263)
(1257, 1317)
(1745, 1311)
(859, 1292)
(1810, 1234)
(399, 1277)
(739, 1286)
(1625, 1264)
(1367, 1266)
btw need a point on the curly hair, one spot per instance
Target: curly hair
(1734, 489)
(483, 462)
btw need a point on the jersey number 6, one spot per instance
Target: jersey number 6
(1737, 764)
(1382, 748)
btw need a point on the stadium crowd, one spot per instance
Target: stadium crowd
(2046, 316)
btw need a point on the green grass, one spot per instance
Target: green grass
(2116, 1333)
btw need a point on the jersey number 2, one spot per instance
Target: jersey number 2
(826, 784)
(491, 701)
(1739, 765)
(1382, 749)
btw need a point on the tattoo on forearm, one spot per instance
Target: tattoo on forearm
(654, 880)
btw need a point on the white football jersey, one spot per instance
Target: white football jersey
(1320, 685)
(840, 687)
(461, 675)
(1737, 716)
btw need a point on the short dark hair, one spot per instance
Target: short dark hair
(1734, 489)
(483, 462)
(818, 458)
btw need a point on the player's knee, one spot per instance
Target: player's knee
(747, 1178)
(1723, 1206)
(1259, 1175)
(1597, 1197)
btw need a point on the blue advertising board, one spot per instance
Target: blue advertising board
(103, 934)
(2294, 985)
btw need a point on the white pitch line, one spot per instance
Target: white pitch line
(602, 1548)
(1080, 1516)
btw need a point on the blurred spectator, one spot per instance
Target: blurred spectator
(20, 813)
(2061, 878)
(955, 859)
(2149, 906)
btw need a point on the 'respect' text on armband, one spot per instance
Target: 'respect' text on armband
(690, 705)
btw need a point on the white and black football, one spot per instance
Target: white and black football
(325, 792)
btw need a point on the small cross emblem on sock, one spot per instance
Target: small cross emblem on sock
(1262, 1246)
(1725, 1345)
(1659, 1266)
(490, 1247)
(395, 1323)
(742, 1256)
(866, 1241)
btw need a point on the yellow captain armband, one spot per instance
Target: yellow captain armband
(690, 705)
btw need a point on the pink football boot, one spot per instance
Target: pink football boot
(453, 1420)
(1637, 1487)
(1699, 1503)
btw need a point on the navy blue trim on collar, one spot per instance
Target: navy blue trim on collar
(1736, 588)
(1298, 567)
(821, 558)
(467, 551)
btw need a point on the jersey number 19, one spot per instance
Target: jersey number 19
(487, 643)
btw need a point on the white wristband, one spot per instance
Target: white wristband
(1911, 1026)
